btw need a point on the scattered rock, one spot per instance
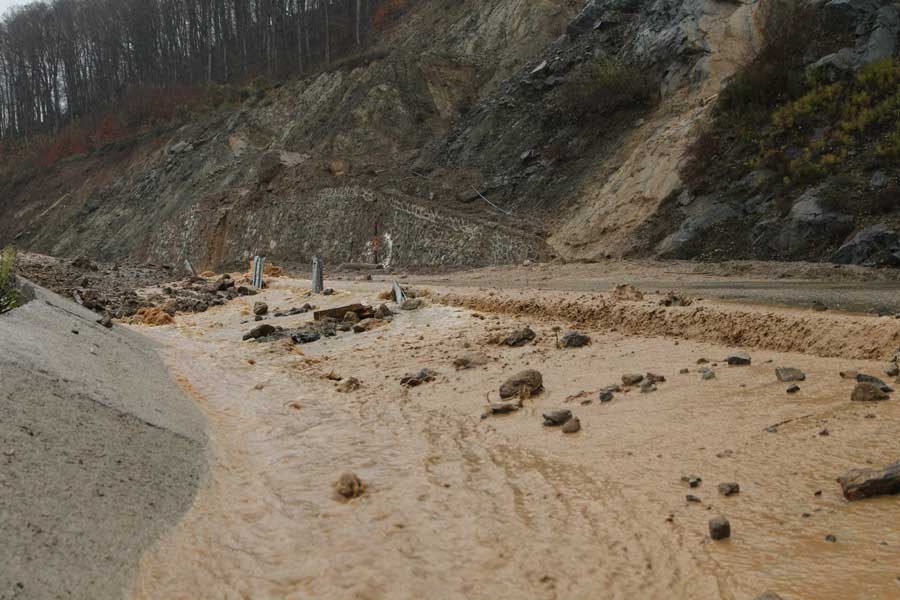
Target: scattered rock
(573, 339)
(647, 387)
(412, 304)
(793, 389)
(527, 383)
(573, 425)
(348, 385)
(738, 359)
(260, 309)
(383, 312)
(328, 292)
(349, 486)
(417, 379)
(692, 498)
(631, 379)
(351, 317)
(652, 378)
(863, 378)
(673, 299)
(519, 338)
(692, 480)
(702, 361)
(789, 374)
(849, 374)
(502, 408)
(824, 432)
(106, 321)
(470, 361)
(893, 370)
(830, 538)
(719, 528)
(606, 394)
(868, 392)
(867, 483)
(368, 325)
(684, 371)
(556, 418)
(729, 489)
(306, 336)
(707, 374)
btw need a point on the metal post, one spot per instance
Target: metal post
(318, 275)
(259, 264)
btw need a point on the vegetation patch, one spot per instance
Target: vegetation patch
(603, 86)
(9, 293)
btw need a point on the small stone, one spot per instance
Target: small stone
(692, 480)
(417, 379)
(606, 394)
(351, 317)
(260, 309)
(692, 498)
(573, 339)
(893, 370)
(684, 371)
(412, 304)
(830, 538)
(789, 374)
(555, 418)
(868, 392)
(349, 486)
(573, 425)
(632, 379)
(647, 387)
(719, 528)
(706, 374)
(259, 331)
(849, 374)
(306, 336)
(702, 361)
(383, 312)
(793, 389)
(328, 292)
(650, 377)
(519, 338)
(738, 359)
(106, 321)
(502, 408)
(527, 383)
(368, 325)
(729, 489)
(470, 361)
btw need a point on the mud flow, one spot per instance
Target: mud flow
(457, 506)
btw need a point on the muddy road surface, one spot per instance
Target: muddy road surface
(461, 506)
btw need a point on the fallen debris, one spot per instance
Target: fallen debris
(349, 486)
(417, 379)
(858, 484)
(868, 392)
(789, 374)
(306, 336)
(738, 359)
(573, 339)
(363, 311)
(383, 312)
(719, 528)
(556, 418)
(368, 325)
(692, 480)
(673, 299)
(524, 384)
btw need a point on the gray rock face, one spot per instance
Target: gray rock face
(808, 230)
(703, 215)
(876, 246)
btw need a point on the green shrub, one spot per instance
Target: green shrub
(9, 294)
(603, 86)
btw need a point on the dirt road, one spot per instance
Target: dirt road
(460, 507)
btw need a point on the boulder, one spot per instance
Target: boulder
(573, 339)
(719, 528)
(518, 338)
(527, 383)
(738, 359)
(573, 425)
(412, 304)
(789, 374)
(260, 309)
(259, 331)
(868, 392)
(808, 230)
(867, 483)
(556, 418)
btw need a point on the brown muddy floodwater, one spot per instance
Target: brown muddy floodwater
(460, 507)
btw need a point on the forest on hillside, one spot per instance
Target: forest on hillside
(61, 60)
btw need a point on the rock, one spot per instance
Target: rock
(502, 408)
(673, 299)
(348, 385)
(555, 418)
(692, 498)
(468, 197)
(527, 383)
(825, 432)
(383, 312)
(893, 370)
(793, 389)
(868, 392)
(876, 246)
(654, 379)
(631, 379)
(684, 371)
(259, 331)
(647, 387)
(867, 483)
(849, 374)
(719, 528)
(260, 309)
(729, 489)
(349, 486)
(518, 338)
(268, 167)
(789, 374)
(417, 379)
(738, 359)
(470, 361)
(573, 425)
(307, 336)
(606, 394)
(692, 480)
(84, 263)
(831, 538)
(412, 304)
(368, 325)
(339, 168)
(808, 230)
(707, 374)
(863, 378)
(574, 339)
(328, 292)
(586, 20)
(351, 317)
(106, 321)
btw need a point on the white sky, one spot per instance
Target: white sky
(6, 4)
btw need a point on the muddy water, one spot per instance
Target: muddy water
(458, 507)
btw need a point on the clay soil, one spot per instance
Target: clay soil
(457, 506)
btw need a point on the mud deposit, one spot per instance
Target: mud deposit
(456, 506)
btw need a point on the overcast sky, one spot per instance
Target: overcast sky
(5, 4)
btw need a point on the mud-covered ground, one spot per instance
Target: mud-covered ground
(460, 506)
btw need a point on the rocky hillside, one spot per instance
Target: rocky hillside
(484, 132)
